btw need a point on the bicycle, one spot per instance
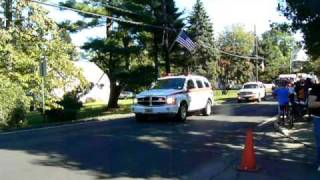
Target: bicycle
(286, 117)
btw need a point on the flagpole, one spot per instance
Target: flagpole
(175, 40)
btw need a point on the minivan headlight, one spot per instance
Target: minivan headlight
(171, 100)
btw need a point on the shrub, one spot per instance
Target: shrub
(70, 107)
(13, 103)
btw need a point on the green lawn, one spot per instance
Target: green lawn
(219, 98)
(100, 109)
(87, 111)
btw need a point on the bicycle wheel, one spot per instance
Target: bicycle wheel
(281, 118)
(290, 117)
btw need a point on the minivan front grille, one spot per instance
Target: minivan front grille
(152, 101)
(246, 93)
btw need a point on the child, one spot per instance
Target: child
(282, 94)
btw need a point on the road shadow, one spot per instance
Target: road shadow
(125, 148)
(246, 109)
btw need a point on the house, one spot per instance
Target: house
(100, 82)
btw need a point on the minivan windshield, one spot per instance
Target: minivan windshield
(250, 86)
(172, 83)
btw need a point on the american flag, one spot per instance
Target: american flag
(185, 41)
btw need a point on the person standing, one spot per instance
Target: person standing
(314, 106)
(291, 92)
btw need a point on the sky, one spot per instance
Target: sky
(222, 13)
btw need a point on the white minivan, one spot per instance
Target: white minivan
(175, 96)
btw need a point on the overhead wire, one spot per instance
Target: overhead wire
(240, 56)
(133, 22)
(137, 23)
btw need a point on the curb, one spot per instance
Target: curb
(69, 123)
(285, 132)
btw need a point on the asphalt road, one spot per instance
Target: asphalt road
(201, 148)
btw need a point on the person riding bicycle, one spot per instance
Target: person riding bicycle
(282, 94)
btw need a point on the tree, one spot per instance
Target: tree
(204, 58)
(237, 41)
(30, 36)
(13, 103)
(126, 43)
(276, 47)
(7, 7)
(305, 16)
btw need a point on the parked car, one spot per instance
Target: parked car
(269, 87)
(252, 91)
(126, 95)
(175, 96)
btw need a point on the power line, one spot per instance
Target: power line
(133, 22)
(240, 56)
(121, 10)
(107, 17)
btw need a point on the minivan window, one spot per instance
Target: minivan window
(190, 84)
(199, 84)
(250, 86)
(172, 83)
(206, 84)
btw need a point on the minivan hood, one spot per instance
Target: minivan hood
(159, 92)
(248, 90)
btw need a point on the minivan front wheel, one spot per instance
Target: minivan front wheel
(182, 113)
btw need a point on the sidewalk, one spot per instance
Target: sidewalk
(302, 133)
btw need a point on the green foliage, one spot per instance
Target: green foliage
(305, 16)
(70, 108)
(312, 66)
(276, 45)
(139, 78)
(237, 41)
(204, 58)
(128, 47)
(24, 43)
(13, 103)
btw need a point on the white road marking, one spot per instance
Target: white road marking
(267, 121)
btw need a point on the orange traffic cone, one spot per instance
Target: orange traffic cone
(249, 157)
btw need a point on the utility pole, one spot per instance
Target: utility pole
(43, 74)
(8, 13)
(293, 56)
(256, 53)
(166, 36)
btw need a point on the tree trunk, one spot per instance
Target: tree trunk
(127, 55)
(166, 52)
(108, 22)
(166, 36)
(115, 91)
(155, 53)
(8, 13)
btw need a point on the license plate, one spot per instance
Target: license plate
(148, 110)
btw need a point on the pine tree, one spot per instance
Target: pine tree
(125, 41)
(112, 53)
(204, 58)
